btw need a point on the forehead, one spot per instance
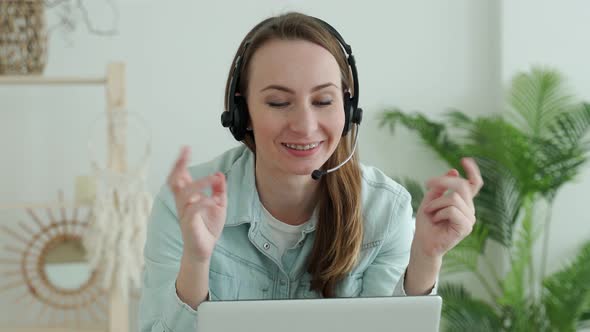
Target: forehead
(298, 63)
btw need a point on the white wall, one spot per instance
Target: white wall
(419, 55)
(178, 57)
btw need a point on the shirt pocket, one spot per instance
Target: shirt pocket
(350, 286)
(254, 289)
(222, 287)
(304, 290)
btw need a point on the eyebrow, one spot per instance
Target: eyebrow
(285, 89)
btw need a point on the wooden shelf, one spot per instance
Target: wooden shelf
(50, 329)
(115, 86)
(48, 205)
(48, 80)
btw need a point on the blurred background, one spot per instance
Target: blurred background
(418, 56)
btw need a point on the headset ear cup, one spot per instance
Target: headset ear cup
(240, 122)
(226, 119)
(357, 117)
(347, 113)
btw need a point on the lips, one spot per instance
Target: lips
(303, 149)
(302, 146)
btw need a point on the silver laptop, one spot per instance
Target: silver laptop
(410, 313)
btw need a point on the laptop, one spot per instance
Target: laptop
(375, 314)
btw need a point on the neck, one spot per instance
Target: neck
(290, 199)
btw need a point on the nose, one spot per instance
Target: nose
(303, 121)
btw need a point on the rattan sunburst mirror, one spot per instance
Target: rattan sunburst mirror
(44, 259)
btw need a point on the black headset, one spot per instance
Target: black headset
(236, 116)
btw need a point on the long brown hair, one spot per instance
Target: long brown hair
(339, 231)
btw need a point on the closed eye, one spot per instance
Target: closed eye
(285, 104)
(278, 105)
(323, 103)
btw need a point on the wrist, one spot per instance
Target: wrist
(422, 272)
(424, 258)
(192, 281)
(194, 260)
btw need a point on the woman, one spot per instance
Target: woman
(253, 223)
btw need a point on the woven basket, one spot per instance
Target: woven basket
(23, 37)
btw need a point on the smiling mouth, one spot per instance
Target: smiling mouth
(302, 147)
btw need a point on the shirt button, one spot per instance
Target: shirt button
(283, 282)
(266, 246)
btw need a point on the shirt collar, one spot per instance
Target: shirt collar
(243, 201)
(244, 204)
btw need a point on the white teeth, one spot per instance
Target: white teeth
(301, 147)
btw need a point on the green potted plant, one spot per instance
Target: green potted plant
(526, 155)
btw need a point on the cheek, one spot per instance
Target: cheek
(336, 123)
(265, 128)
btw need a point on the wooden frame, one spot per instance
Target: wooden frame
(114, 83)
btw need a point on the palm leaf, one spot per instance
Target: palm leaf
(495, 139)
(458, 119)
(416, 192)
(537, 98)
(502, 153)
(433, 134)
(567, 291)
(571, 127)
(499, 201)
(462, 312)
(528, 317)
(560, 157)
(465, 256)
(555, 166)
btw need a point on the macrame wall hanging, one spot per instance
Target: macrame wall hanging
(116, 230)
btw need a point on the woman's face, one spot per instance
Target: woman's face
(296, 106)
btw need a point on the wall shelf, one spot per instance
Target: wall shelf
(114, 84)
(48, 80)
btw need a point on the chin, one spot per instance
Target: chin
(307, 170)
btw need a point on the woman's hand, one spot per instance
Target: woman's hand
(202, 217)
(447, 214)
(445, 217)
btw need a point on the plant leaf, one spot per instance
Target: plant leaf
(499, 201)
(433, 134)
(465, 256)
(566, 292)
(537, 97)
(415, 189)
(462, 312)
(560, 157)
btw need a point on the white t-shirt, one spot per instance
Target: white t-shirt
(285, 236)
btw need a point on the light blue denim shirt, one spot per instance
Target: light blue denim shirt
(245, 263)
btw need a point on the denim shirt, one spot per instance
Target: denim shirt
(245, 263)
